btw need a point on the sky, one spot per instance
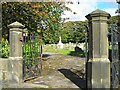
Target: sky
(87, 6)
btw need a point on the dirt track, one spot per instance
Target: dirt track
(60, 71)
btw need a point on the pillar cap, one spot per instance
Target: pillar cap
(97, 13)
(16, 25)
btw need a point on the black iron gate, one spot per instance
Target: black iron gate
(115, 64)
(32, 58)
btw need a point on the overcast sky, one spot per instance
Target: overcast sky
(87, 6)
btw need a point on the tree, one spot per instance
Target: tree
(29, 13)
(17, 11)
(113, 20)
(74, 31)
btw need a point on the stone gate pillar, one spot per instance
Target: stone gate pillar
(98, 65)
(15, 68)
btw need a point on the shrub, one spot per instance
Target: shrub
(4, 48)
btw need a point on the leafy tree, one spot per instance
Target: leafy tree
(17, 11)
(30, 13)
(113, 20)
(74, 31)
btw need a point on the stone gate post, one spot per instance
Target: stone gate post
(98, 65)
(15, 69)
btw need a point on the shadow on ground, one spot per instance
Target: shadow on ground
(46, 55)
(80, 82)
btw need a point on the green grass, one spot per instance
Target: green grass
(64, 51)
(60, 51)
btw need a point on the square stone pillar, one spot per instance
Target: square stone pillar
(15, 63)
(98, 65)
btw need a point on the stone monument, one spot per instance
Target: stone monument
(60, 44)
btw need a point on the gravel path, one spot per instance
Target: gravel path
(60, 71)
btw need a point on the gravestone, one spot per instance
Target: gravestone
(70, 46)
(77, 49)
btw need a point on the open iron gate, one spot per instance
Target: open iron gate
(115, 64)
(32, 58)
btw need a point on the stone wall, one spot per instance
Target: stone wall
(3, 67)
(3, 72)
(10, 72)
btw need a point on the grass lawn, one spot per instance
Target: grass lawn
(71, 52)
(60, 51)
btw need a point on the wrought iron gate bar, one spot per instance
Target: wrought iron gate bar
(116, 31)
(115, 64)
(31, 55)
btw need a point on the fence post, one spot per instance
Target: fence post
(98, 65)
(15, 69)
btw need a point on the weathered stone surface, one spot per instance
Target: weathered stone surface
(3, 68)
(16, 25)
(98, 73)
(16, 38)
(3, 73)
(15, 44)
(10, 71)
(98, 65)
(15, 72)
(15, 62)
(98, 41)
